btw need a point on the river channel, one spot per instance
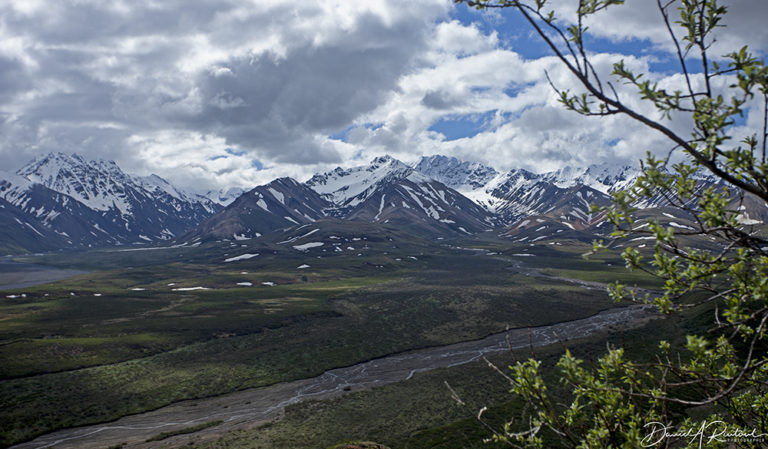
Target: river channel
(251, 407)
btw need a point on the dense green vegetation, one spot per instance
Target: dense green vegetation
(719, 375)
(71, 358)
(421, 413)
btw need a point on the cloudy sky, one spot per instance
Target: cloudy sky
(219, 93)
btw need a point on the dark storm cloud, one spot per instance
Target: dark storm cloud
(273, 102)
(72, 22)
(12, 79)
(165, 84)
(291, 73)
(439, 100)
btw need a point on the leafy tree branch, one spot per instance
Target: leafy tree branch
(720, 261)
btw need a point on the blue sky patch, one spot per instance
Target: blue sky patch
(235, 153)
(343, 134)
(510, 26)
(516, 34)
(457, 127)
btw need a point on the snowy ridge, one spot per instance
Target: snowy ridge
(13, 187)
(95, 202)
(224, 197)
(518, 193)
(387, 190)
(603, 178)
(350, 187)
(67, 198)
(158, 186)
(100, 184)
(456, 174)
(283, 203)
(384, 191)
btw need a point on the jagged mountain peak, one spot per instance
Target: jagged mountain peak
(99, 184)
(518, 193)
(455, 173)
(279, 204)
(93, 202)
(52, 163)
(389, 191)
(225, 196)
(161, 186)
(155, 179)
(348, 187)
(382, 160)
(605, 177)
(389, 165)
(156, 182)
(285, 181)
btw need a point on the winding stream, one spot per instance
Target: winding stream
(251, 407)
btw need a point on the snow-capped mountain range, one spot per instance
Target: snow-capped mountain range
(439, 195)
(518, 193)
(384, 191)
(390, 191)
(280, 204)
(69, 201)
(96, 203)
